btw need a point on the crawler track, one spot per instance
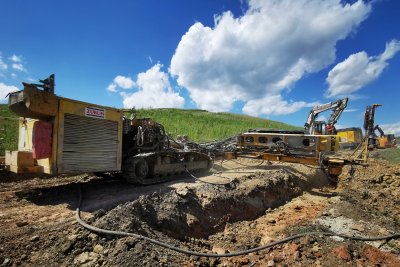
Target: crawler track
(158, 167)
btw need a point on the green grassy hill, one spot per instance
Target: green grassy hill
(199, 125)
(8, 130)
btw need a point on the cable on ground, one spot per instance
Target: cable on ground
(212, 255)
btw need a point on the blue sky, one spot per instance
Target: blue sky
(266, 58)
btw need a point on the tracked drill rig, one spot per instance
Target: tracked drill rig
(63, 136)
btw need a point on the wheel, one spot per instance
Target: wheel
(135, 171)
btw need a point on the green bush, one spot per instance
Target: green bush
(8, 130)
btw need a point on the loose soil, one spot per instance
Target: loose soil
(258, 203)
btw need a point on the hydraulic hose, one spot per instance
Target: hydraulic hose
(214, 255)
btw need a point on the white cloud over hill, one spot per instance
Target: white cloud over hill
(253, 58)
(153, 90)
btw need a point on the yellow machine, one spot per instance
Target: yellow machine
(76, 129)
(59, 135)
(350, 138)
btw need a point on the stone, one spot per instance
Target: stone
(6, 262)
(357, 227)
(98, 249)
(21, 223)
(72, 237)
(342, 252)
(85, 257)
(67, 246)
(93, 236)
(316, 248)
(271, 263)
(82, 258)
(191, 219)
(35, 238)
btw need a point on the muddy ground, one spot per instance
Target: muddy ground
(258, 203)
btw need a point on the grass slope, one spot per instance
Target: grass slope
(8, 130)
(390, 154)
(199, 125)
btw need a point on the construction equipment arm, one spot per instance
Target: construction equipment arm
(338, 107)
(381, 132)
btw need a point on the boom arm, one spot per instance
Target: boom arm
(338, 107)
(381, 132)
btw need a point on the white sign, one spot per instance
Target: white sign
(95, 112)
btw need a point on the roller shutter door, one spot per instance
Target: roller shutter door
(89, 145)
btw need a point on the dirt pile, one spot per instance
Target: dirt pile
(204, 210)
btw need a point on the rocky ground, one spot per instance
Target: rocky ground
(256, 204)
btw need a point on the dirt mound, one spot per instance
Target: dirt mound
(202, 211)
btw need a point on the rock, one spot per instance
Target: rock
(271, 221)
(67, 246)
(271, 263)
(98, 249)
(82, 258)
(72, 237)
(24, 257)
(35, 238)
(85, 257)
(244, 261)
(21, 223)
(342, 252)
(191, 219)
(357, 227)
(6, 262)
(316, 248)
(182, 191)
(93, 236)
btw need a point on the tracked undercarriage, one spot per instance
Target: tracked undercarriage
(157, 167)
(150, 156)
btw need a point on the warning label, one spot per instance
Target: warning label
(95, 112)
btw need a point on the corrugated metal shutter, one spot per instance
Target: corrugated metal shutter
(89, 145)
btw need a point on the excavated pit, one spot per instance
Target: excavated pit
(199, 210)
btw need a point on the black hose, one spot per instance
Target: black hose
(201, 254)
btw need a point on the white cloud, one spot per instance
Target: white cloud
(112, 87)
(124, 82)
(265, 51)
(154, 91)
(274, 105)
(15, 58)
(392, 128)
(3, 66)
(121, 82)
(358, 70)
(18, 66)
(5, 89)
